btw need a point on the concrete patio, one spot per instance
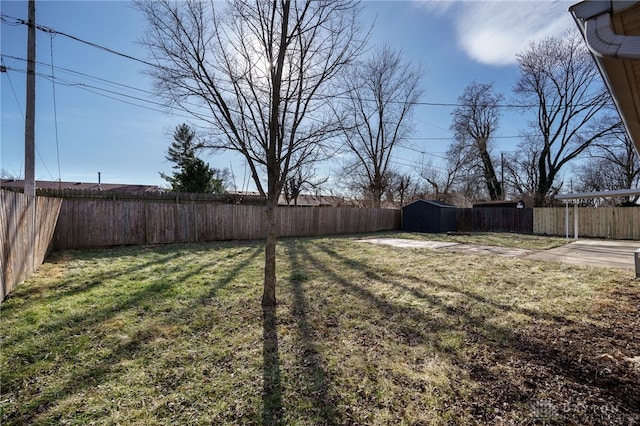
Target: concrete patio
(610, 253)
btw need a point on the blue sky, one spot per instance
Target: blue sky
(126, 138)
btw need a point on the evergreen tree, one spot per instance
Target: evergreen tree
(192, 173)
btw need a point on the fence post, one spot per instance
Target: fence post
(637, 256)
(145, 211)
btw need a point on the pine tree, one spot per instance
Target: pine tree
(192, 173)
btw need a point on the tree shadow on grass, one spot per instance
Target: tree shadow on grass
(542, 365)
(272, 386)
(71, 286)
(310, 359)
(63, 333)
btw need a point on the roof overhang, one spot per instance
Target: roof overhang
(612, 32)
(598, 194)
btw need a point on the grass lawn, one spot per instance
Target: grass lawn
(363, 334)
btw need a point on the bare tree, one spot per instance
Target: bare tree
(401, 187)
(614, 164)
(559, 77)
(474, 124)
(259, 73)
(455, 175)
(405, 187)
(383, 92)
(440, 181)
(521, 170)
(300, 180)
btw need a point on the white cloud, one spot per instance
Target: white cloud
(492, 32)
(439, 7)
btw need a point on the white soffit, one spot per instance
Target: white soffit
(612, 32)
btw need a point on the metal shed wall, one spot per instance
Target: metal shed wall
(429, 216)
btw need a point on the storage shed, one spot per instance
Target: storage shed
(429, 216)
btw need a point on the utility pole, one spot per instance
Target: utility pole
(30, 118)
(504, 190)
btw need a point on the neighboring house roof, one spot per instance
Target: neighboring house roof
(308, 200)
(85, 186)
(612, 32)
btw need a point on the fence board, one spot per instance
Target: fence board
(26, 228)
(495, 219)
(100, 222)
(620, 223)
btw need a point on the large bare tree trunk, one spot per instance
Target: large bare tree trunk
(474, 124)
(494, 187)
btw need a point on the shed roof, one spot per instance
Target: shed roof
(433, 202)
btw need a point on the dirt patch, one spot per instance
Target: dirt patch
(575, 373)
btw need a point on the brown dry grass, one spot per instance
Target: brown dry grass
(363, 334)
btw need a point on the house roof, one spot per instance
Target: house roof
(310, 200)
(612, 32)
(91, 186)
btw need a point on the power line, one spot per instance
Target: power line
(452, 138)
(446, 104)
(97, 91)
(423, 152)
(13, 90)
(22, 114)
(102, 80)
(19, 21)
(55, 107)
(89, 76)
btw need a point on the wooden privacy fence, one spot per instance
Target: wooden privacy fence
(26, 227)
(98, 223)
(495, 219)
(619, 223)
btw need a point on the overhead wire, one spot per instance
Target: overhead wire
(19, 21)
(108, 82)
(13, 90)
(55, 107)
(101, 91)
(111, 82)
(79, 73)
(97, 91)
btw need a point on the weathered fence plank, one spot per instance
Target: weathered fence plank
(495, 219)
(26, 229)
(100, 223)
(619, 223)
